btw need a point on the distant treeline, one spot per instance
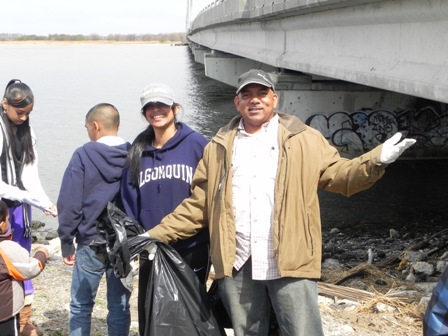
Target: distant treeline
(181, 37)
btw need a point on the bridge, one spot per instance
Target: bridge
(357, 70)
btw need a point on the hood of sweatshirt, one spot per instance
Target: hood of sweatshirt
(92, 178)
(108, 161)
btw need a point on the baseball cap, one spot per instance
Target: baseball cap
(157, 93)
(254, 76)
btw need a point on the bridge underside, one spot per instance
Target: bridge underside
(357, 70)
(398, 46)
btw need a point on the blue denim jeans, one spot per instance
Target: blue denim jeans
(248, 301)
(87, 274)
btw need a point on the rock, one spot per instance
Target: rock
(51, 235)
(441, 265)
(331, 264)
(423, 267)
(382, 307)
(424, 300)
(411, 277)
(393, 234)
(36, 225)
(381, 282)
(426, 287)
(334, 231)
(405, 293)
(41, 235)
(416, 256)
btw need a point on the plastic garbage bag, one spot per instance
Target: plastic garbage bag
(114, 231)
(176, 302)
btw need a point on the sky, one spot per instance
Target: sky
(103, 17)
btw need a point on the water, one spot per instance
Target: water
(68, 79)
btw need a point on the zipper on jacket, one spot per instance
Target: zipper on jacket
(223, 175)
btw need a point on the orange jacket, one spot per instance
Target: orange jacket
(16, 265)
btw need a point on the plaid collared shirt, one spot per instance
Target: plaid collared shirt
(254, 169)
(435, 321)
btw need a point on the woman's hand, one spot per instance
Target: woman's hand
(52, 210)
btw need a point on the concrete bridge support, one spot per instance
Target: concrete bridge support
(354, 118)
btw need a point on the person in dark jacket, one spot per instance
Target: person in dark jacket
(91, 180)
(162, 161)
(16, 266)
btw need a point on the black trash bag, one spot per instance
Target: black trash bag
(176, 302)
(114, 231)
(218, 306)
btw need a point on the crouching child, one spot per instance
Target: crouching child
(16, 265)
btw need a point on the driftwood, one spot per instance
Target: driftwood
(358, 295)
(360, 273)
(342, 292)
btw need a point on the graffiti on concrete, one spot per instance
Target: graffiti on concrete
(354, 133)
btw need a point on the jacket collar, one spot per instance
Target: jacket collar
(291, 123)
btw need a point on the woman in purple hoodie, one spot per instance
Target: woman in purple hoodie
(162, 161)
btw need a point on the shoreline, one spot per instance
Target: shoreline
(52, 42)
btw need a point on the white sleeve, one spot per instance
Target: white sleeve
(31, 181)
(8, 191)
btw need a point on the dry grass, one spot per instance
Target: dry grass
(382, 303)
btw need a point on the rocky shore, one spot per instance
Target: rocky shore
(380, 283)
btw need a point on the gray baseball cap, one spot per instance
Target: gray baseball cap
(157, 92)
(254, 76)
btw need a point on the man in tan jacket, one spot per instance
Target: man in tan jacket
(256, 190)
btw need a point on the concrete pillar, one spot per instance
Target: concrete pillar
(226, 68)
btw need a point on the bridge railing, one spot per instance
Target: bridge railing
(221, 11)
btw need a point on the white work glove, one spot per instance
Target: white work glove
(128, 282)
(393, 148)
(151, 247)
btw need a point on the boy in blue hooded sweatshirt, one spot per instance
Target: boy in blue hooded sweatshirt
(91, 180)
(162, 161)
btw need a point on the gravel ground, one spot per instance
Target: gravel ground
(340, 317)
